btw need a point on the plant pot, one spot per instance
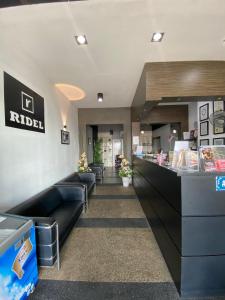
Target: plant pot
(130, 180)
(126, 181)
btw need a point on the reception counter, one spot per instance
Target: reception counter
(187, 216)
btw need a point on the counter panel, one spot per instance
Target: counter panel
(187, 217)
(200, 198)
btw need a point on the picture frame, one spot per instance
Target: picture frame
(204, 128)
(204, 112)
(219, 141)
(204, 142)
(217, 130)
(65, 137)
(218, 105)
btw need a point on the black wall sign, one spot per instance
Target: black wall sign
(24, 108)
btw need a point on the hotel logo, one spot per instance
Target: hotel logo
(24, 108)
(27, 102)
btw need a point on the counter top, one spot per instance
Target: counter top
(183, 172)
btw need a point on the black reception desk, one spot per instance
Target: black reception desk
(187, 216)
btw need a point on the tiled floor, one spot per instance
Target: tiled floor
(113, 246)
(111, 254)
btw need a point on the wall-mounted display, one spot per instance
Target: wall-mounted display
(204, 128)
(218, 106)
(219, 141)
(24, 109)
(204, 142)
(65, 137)
(204, 112)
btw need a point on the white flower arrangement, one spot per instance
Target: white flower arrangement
(125, 170)
(83, 164)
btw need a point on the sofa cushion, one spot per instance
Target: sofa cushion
(67, 211)
(49, 202)
(40, 205)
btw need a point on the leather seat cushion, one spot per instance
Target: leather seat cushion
(41, 207)
(64, 214)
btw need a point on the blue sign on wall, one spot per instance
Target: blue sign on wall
(220, 183)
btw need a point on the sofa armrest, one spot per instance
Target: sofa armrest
(43, 221)
(97, 170)
(71, 192)
(87, 177)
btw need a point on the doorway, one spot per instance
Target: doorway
(111, 136)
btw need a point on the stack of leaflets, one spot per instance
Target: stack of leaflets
(212, 158)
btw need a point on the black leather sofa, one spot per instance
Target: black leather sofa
(98, 169)
(54, 212)
(87, 179)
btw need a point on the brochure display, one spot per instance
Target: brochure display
(184, 158)
(18, 262)
(212, 158)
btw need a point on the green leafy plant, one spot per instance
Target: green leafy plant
(98, 151)
(125, 172)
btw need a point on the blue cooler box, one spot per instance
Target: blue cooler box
(18, 261)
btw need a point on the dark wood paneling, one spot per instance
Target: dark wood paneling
(190, 78)
(168, 114)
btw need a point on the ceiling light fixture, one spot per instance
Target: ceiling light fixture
(142, 132)
(71, 92)
(100, 97)
(81, 39)
(157, 36)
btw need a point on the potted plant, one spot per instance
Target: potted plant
(125, 173)
(83, 164)
(98, 152)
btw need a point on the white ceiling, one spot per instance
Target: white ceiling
(119, 34)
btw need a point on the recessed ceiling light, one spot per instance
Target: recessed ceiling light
(142, 132)
(81, 39)
(71, 92)
(157, 36)
(100, 97)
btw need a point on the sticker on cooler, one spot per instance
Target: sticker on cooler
(220, 183)
(21, 258)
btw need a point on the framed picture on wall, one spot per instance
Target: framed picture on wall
(204, 142)
(204, 128)
(219, 141)
(65, 137)
(218, 106)
(218, 130)
(204, 112)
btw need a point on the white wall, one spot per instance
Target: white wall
(31, 161)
